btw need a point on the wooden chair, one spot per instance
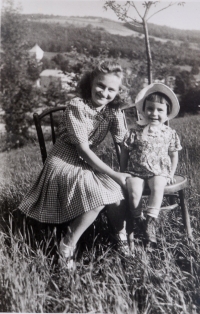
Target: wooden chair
(171, 191)
(38, 120)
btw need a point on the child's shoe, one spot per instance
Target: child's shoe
(151, 230)
(67, 252)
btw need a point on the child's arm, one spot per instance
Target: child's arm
(124, 158)
(174, 162)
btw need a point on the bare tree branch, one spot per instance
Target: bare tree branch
(122, 12)
(148, 6)
(132, 4)
(170, 5)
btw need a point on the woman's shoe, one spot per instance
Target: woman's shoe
(67, 253)
(121, 244)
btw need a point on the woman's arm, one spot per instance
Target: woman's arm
(174, 162)
(96, 163)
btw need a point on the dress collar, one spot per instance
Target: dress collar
(154, 131)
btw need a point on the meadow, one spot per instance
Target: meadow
(164, 280)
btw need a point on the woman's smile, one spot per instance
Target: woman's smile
(104, 89)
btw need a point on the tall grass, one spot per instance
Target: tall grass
(164, 280)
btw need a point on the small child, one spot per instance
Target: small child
(150, 154)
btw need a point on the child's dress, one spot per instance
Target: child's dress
(149, 150)
(67, 186)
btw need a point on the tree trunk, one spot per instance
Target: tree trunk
(148, 52)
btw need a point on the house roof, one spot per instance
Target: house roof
(51, 72)
(36, 48)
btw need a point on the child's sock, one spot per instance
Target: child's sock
(153, 211)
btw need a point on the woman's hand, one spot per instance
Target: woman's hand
(93, 160)
(120, 178)
(171, 180)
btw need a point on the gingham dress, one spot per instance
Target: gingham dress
(67, 186)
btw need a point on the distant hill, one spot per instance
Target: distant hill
(159, 33)
(92, 36)
(108, 25)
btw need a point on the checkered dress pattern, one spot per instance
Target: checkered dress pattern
(67, 186)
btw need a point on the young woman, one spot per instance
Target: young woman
(74, 184)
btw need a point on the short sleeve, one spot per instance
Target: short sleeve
(129, 140)
(175, 144)
(75, 120)
(118, 129)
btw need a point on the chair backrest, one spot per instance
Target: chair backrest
(46, 117)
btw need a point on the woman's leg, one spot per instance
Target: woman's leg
(79, 225)
(116, 214)
(157, 185)
(135, 188)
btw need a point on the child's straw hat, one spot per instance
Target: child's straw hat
(161, 88)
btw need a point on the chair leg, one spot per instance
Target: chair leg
(172, 199)
(185, 214)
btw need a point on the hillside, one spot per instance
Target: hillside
(110, 26)
(156, 32)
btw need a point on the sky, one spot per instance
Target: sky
(182, 17)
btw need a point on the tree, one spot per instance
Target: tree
(195, 69)
(190, 102)
(18, 95)
(125, 12)
(184, 82)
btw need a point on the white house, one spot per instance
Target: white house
(48, 76)
(36, 52)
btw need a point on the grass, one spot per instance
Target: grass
(165, 280)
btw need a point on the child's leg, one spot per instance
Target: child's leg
(135, 187)
(157, 185)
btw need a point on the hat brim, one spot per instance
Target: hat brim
(152, 88)
(158, 87)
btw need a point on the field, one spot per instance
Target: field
(165, 280)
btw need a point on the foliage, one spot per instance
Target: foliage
(18, 72)
(184, 82)
(56, 95)
(48, 64)
(190, 101)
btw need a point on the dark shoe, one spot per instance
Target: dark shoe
(121, 245)
(151, 229)
(124, 248)
(138, 226)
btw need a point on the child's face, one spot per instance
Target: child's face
(104, 89)
(155, 113)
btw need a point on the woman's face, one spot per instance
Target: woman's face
(104, 89)
(155, 113)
